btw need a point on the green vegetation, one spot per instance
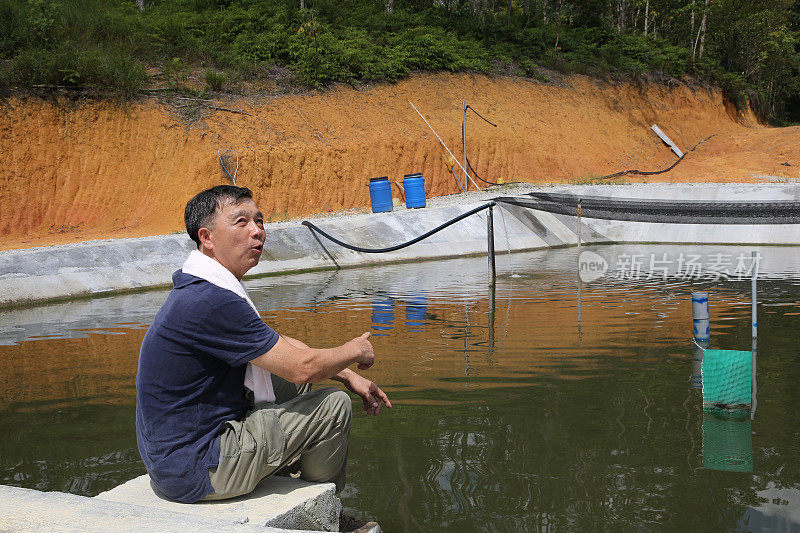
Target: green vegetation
(215, 80)
(109, 47)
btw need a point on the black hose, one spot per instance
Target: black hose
(615, 175)
(484, 118)
(399, 246)
(469, 107)
(452, 221)
(653, 172)
(469, 165)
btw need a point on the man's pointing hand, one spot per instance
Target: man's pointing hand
(366, 356)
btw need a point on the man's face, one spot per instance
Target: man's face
(236, 237)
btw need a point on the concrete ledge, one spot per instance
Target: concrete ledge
(97, 267)
(277, 502)
(87, 268)
(32, 510)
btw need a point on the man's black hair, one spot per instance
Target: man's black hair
(200, 210)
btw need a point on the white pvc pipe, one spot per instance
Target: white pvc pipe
(754, 319)
(445, 146)
(753, 297)
(700, 318)
(697, 366)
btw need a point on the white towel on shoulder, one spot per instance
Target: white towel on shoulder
(200, 265)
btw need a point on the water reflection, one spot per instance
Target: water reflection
(779, 510)
(505, 418)
(382, 315)
(697, 363)
(416, 308)
(77, 319)
(727, 442)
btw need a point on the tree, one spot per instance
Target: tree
(701, 34)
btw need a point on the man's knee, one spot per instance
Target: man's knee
(341, 406)
(337, 407)
(326, 458)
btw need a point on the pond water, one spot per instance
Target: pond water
(539, 404)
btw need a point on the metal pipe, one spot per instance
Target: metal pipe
(490, 236)
(753, 385)
(492, 304)
(580, 281)
(445, 146)
(464, 137)
(456, 177)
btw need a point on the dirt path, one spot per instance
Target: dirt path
(100, 170)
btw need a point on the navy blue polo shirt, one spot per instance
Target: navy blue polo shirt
(191, 380)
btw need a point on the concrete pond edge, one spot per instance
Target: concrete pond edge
(101, 268)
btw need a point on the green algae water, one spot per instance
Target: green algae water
(539, 403)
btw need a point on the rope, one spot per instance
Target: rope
(696, 344)
(399, 246)
(653, 172)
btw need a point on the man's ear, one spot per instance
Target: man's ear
(204, 234)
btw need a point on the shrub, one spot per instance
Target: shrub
(531, 70)
(215, 80)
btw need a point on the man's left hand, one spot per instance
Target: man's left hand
(371, 394)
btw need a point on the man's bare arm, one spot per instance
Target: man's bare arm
(371, 395)
(343, 377)
(302, 364)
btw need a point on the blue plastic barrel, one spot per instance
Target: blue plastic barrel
(414, 187)
(380, 194)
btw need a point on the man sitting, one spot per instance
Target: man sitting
(199, 432)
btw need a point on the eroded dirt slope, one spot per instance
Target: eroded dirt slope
(72, 172)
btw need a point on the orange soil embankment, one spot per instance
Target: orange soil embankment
(74, 172)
